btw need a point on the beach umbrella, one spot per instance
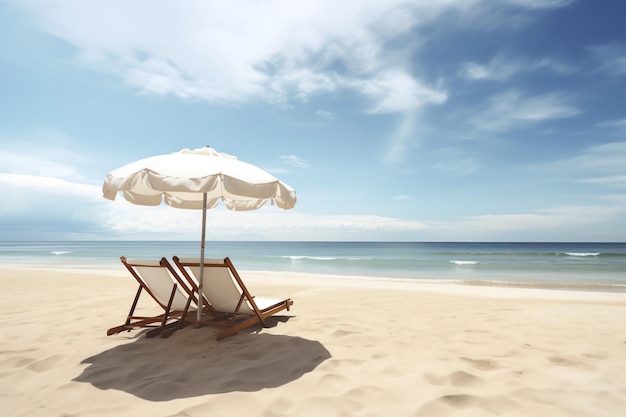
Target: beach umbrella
(197, 179)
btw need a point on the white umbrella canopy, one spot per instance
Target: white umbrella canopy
(197, 179)
(180, 180)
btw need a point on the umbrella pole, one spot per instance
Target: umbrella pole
(204, 203)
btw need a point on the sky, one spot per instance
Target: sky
(423, 120)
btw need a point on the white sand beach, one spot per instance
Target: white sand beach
(348, 347)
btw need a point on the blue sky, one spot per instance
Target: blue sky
(451, 120)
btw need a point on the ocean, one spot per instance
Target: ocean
(588, 266)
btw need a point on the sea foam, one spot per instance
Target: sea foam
(464, 262)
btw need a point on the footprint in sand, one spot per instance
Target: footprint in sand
(44, 364)
(447, 405)
(464, 379)
(482, 364)
(20, 362)
(597, 355)
(458, 400)
(333, 381)
(458, 379)
(558, 360)
(434, 379)
(342, 333)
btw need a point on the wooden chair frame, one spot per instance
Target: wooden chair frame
(170, 318)
(229, 319)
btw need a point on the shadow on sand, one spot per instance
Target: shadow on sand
(192, 363)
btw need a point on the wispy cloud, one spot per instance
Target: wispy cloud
(396, 91)
(497, 69)
(542, 4)
(612, 58)
(295, 161)
(602, 158)
(402, 197)
(601, 165)
(325, 114)
(614, 181)
(401, 94)
(617, 124)
(402, 137)
(503, 67)
(512, 109)
(455, 161)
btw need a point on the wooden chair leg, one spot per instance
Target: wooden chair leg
(119, 329)
(179, 324)
(166, 316)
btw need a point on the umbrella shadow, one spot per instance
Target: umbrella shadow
(192, 363)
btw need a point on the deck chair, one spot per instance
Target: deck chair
(161, 281)
(228, 296)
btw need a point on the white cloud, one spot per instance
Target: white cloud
(46, 153)
(275, 51)
(229, 52)
(574, 223)
(264, 224)
(295, 161)
(325, 114)
(511, 109)
(65, 210)
(40, 208)
(19, 163)
(30, 184)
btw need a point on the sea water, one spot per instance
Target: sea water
(591, 266)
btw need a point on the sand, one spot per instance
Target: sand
(348, 347)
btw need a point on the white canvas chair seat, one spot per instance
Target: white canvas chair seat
(158, 281)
